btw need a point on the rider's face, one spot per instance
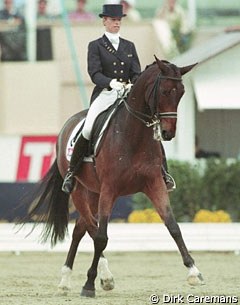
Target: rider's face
(112, 24)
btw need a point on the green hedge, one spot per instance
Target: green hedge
(211, 184)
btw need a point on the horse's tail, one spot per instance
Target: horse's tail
(49, 204)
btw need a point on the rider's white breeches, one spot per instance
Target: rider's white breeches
(101, 103)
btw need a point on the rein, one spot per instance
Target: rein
(155, 119)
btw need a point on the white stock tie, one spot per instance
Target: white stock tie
(115, 42)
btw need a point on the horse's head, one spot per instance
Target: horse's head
(163, 95)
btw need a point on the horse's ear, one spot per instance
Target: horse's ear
(156, 58)
(162, 66)
(186, 69)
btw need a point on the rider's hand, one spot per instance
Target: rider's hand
(114, 84)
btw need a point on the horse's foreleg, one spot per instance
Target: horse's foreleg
(159, 196)
(194, 276)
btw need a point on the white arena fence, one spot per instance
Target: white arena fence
(130, 237)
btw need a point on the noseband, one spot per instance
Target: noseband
(151, 120)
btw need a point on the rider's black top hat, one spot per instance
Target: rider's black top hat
(112, 10)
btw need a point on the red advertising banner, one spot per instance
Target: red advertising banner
(37, 153)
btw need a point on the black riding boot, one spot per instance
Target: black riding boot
(170, 182)
(79, 152)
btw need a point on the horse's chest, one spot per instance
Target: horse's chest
(139, 165)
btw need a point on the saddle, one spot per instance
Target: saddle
(98, 131)
(101, 124)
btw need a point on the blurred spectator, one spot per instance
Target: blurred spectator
(13, 33)
(130, 10)
(44, 39)
(80, 13)
(174, 18)
(42, 13)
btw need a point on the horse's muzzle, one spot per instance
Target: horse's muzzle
(167, 135)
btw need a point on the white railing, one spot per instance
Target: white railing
(131, 237)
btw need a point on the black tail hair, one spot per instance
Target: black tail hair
(49, 204)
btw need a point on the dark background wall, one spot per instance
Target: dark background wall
(12, 207)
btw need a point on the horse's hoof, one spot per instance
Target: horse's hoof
(87, 293)
(65, 285)
(63, 290)
(195, 280)
(107, 284)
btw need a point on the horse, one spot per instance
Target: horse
(128, 161)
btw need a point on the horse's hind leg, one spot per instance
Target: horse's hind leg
(106, 277)
(78, 233)
(86, 203)
(106, 201)
(160, 199)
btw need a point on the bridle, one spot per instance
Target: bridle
(151, 120)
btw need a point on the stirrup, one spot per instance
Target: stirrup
(170, 182)
(68, 183)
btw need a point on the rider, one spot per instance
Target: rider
(113, 64)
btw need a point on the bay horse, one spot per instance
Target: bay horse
(129, 161)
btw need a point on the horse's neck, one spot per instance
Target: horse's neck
(136, 99)
(132, 140)
(130, 127)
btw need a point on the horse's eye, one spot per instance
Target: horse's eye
(164, 92)
(174, 90)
